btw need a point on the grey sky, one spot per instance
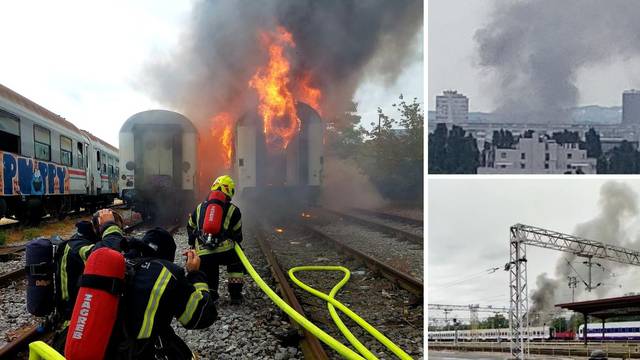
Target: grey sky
(453, 55)
(83, 59)
(469, 222)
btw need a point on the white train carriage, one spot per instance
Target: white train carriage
(535, 334)
(295, 172)
(47, 164)
(158, 163)
(623, 330)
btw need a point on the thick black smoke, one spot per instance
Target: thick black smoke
(338, 41)
(534, 49)
(613, 225)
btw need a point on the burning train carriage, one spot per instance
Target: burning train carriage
(158, 163)
(535, 333)
(48, 165)
(290, 174)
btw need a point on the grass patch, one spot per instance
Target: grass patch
(30, 233)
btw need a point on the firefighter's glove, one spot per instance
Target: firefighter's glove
(104, 218)
(193, 261)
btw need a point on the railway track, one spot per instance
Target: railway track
(393, 217)
(400, 278)
(309, 344)
(39, 331)
(378, 226)
(392, 309)
(52, 220)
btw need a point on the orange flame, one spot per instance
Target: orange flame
(308, 93)
(277, 105)
(222, 129)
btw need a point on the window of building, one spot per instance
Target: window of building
(42, 143)
(523, 156)
(9, 132)
(66, 151)
(503, 155)
(546, 157)
(569, 155)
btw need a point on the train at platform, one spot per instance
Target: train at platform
(48, 166)
(613, 331)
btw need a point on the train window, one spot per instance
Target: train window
(80, 147)
(98, 159)
(9, 132)
(42, 142)
(66, 151)
(240, 162)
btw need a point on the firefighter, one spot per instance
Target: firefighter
(70, 259)
(156, 291)
(220, 252)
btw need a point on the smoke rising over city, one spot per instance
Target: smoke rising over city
(613, 225)
(533, 51)
(336, 44)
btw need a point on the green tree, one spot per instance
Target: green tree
(592, 143)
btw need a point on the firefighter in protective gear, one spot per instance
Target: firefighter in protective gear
(71, 257)
(156, 291)
(221, 253)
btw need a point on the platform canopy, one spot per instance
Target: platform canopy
(606, 308)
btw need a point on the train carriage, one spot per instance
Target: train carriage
(46, 162)
(158, 163)
(292, 174)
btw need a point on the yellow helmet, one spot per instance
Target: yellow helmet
(225, 184)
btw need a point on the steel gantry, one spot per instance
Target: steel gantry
(523, 235)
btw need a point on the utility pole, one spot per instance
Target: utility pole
(573, 283)
(589, 265)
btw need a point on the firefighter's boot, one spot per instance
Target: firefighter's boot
(235, 291)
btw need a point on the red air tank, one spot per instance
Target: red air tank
(213, 215)
(96, 307)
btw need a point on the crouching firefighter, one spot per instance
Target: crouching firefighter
(154, 291)
(214, 229)
(63, 261)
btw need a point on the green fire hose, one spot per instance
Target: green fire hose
(332, 304)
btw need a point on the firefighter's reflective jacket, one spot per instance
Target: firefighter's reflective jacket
(156, 292)
(231, 228)
(71, 257)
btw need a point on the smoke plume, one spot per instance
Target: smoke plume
(613, 225)
(533, 50)
(336, 44)
(214, 72)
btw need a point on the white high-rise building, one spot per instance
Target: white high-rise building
(631, 107)
(452, 107)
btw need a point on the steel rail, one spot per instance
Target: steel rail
(394, 217)
(390, 230)
(310, 345)
(400, 278)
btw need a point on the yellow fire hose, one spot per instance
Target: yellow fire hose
(39, 350)
(332, 303)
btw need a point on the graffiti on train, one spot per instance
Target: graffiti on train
(27, 176)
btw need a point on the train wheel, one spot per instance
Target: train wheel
(31, 212)
(3, 208)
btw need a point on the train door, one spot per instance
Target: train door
(98, 171)
(87, 170)
(158, 158)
